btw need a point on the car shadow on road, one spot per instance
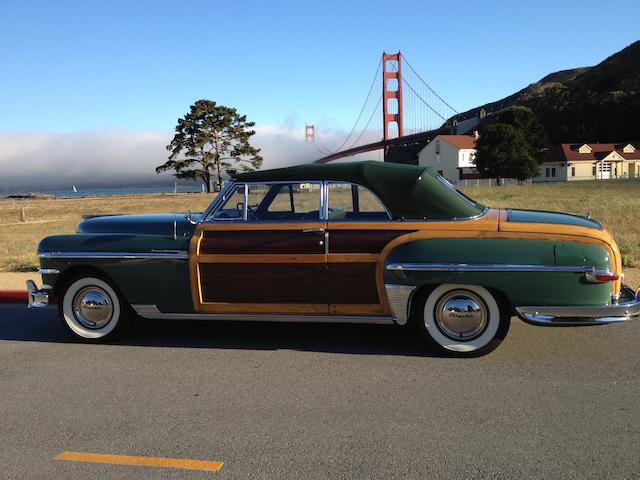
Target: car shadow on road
(19, 324)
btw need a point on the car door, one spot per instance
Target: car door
(359, 227)
(262, 250)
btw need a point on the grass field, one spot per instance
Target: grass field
(616, 204)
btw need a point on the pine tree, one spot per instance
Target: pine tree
(209, 142)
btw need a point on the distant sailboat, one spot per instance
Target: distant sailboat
(75, 190)
(203, 188)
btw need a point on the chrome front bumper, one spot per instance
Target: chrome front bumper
(37, 298)
(627, 309)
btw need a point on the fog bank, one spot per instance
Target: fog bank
(31, 161)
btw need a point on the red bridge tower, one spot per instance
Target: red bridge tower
(389, 114)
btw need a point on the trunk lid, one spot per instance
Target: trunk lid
(534, 216)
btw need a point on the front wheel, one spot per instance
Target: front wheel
(92, 309)
(463, 319)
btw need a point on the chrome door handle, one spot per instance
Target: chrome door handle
(318, 231)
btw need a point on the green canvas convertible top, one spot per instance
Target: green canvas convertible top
(408, 191)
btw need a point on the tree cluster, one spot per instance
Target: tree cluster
(511, 146)
(570, 114)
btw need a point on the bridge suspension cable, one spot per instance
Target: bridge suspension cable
(355, 125)
(424, 108)
(320, 146)
(375, 110)
(427, 85)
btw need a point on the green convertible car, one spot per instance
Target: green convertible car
(364, 242)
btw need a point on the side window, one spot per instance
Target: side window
(283, 202)
(348, 202)
(232, 207)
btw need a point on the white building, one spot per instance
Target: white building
(452, 156)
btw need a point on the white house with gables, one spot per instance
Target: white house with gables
(590, 161)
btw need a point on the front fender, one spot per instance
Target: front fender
(147, 269)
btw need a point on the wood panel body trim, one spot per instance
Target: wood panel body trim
(493, 224)
(352, 283)
(275, 242)
(361, 240)
(284, 308)
(250, 283)
(263, 256)
(355, 309)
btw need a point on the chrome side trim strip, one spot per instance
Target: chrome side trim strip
(48, 271)
(264, 317)
(399, 297)
(116, 255)
(469, 267)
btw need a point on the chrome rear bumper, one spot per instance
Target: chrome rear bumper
(37, 298)
(627, 309)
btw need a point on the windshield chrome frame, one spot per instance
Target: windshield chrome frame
(245, 213)
(216, 201)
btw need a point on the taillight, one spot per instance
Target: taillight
(601, 276)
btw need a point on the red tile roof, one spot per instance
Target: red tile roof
(460, 141)
(568, 152)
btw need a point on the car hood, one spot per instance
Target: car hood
(152, 224)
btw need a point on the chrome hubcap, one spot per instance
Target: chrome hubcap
(461, 315)
(93, 307)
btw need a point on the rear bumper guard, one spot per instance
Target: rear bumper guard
(628, 308)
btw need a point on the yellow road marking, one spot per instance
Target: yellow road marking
(183, 463)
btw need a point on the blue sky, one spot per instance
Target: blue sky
(77, 65)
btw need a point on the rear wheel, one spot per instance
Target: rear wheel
(92, 309)
(463, 319)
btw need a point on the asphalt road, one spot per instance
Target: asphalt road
(312, 401)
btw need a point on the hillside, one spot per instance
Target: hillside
(551, 80)
(621, 71)
(598, 103)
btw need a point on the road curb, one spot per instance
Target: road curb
(13, 296)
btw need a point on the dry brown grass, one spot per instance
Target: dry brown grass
(16, 280)
(616, 204)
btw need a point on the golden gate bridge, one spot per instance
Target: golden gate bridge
(412, 114)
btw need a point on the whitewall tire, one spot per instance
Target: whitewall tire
(463, 319)
(92, 310)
